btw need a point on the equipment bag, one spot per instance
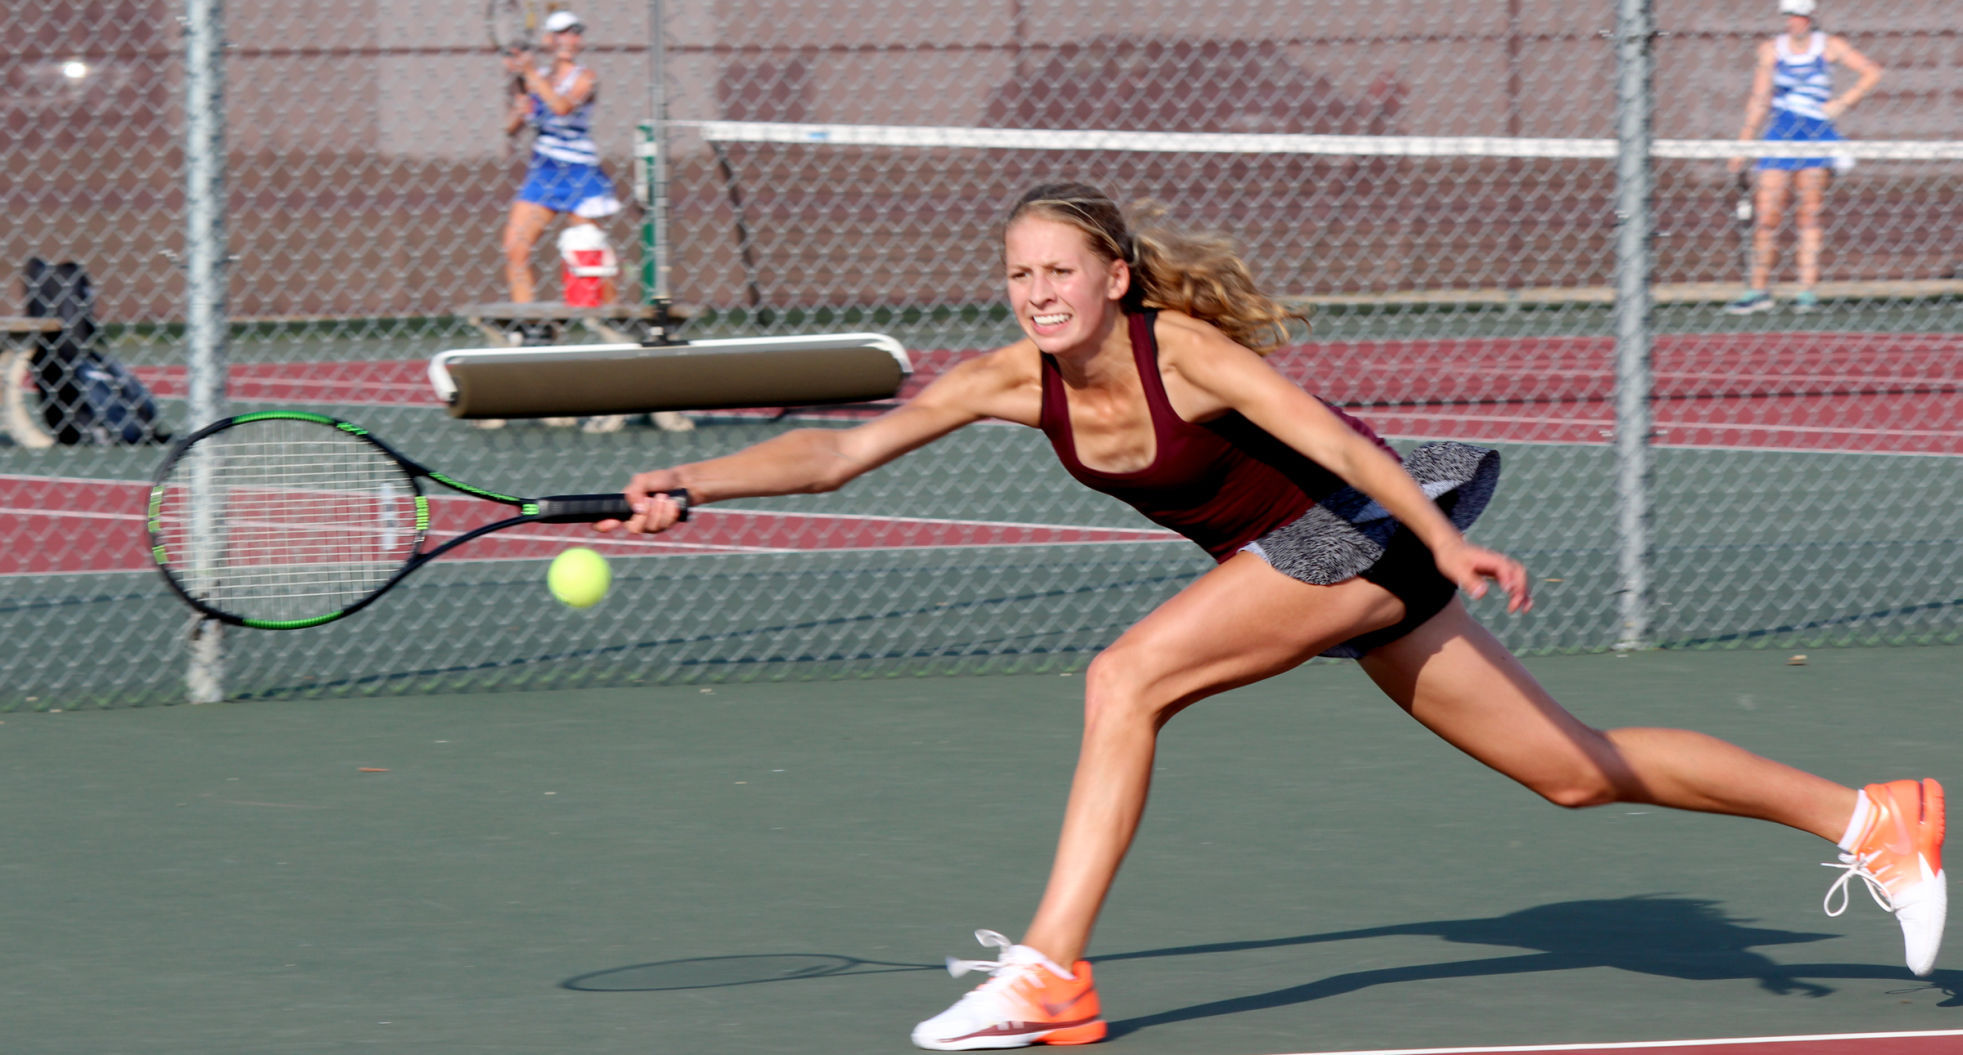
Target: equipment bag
(87, 397)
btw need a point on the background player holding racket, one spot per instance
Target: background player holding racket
(1142, 361)
(564, 175)
(1792, 84)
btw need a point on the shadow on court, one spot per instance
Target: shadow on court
(719, 972)
(1668, 937)
(1686, 939)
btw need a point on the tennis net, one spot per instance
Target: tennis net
(1439, 268)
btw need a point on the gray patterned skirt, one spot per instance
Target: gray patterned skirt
(1347, 532)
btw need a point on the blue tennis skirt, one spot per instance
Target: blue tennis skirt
(1790, 127)
(582, 190)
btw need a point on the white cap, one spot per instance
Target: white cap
(1803, 8)
(560, 21)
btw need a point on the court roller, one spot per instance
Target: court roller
(697, 375)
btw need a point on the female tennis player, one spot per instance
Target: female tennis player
(564, 175)
(1142, 362)
(1793, 85)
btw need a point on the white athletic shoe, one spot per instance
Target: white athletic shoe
(1900, 858)
(1027, 1000)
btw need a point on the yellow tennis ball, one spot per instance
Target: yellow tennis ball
(579, 577)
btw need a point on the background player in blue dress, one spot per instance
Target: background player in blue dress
(565, 175)
(1793, 86)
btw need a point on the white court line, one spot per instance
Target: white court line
(90, 481)
(437, 537)
(1728, 426)
(1590, 373)
(67, 514)
(1606, 424)
(1815, 1038)
(244, 373)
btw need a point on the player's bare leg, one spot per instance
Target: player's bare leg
(1463, 685)
(1218, 633)
(521, 232)
(1770, 209)
(1812, 192)
(1453, 676)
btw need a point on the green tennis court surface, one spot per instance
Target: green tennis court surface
(781, 867)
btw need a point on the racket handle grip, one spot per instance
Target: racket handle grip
(585, 509)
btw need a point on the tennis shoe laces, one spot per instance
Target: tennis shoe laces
(1028, 999)
(1900, 858)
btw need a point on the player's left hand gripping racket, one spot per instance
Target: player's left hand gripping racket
(283, 520)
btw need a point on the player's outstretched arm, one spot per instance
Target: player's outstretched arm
(810, 461)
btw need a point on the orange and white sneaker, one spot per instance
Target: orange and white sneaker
(1899, 854)
(1028, 1000)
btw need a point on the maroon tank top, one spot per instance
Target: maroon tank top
(1222, 484)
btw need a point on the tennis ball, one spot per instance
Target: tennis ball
(579, 577)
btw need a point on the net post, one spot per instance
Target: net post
(1635, 33)
(651, 179)
(206, 262)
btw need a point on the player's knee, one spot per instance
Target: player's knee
(1583, 780)
(1117, 687)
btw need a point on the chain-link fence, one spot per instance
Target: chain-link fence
(1436, 181)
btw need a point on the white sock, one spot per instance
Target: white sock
(1857, 826)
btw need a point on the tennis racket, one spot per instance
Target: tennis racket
(514, 26)
(283, 520)
(1744, 211)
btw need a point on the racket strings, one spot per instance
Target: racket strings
(286, 520)
(513, 24)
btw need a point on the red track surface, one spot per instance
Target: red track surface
(1898, 393)
(1817, 392)
(50, 526)
(394, 383)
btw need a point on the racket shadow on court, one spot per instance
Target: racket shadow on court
(720, 972)
(1671, 937)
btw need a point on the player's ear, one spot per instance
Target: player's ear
(1119, 281)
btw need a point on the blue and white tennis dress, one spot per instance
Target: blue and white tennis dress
(565, 172)
(1801, 85)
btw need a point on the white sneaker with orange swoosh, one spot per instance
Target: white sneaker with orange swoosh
(1900, 857)
(1028, 999)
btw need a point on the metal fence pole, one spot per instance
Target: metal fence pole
(1635, 33)
(205, 264)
